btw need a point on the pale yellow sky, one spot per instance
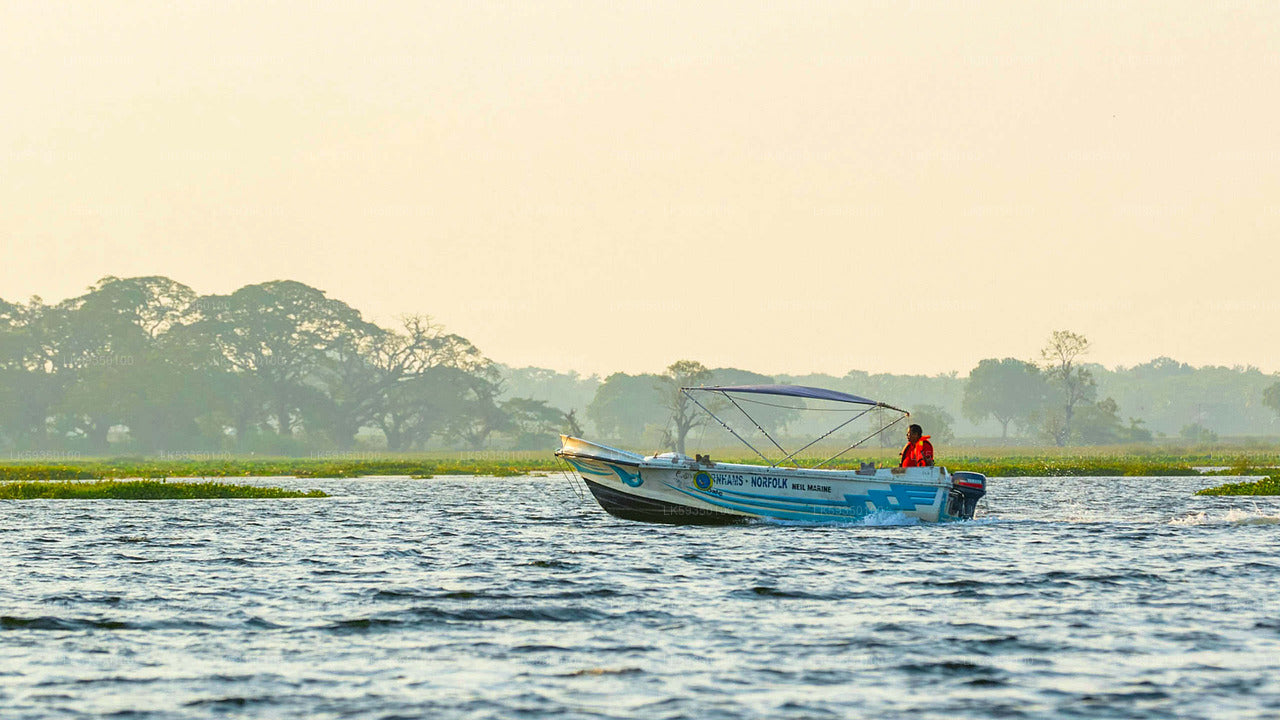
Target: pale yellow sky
(784, 187)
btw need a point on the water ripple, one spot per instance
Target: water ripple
(500, 598)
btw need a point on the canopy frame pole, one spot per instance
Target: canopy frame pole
(821, 437)
(753, 422)
(723, 424)
(886, 427)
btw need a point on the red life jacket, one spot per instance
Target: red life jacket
(918, 453)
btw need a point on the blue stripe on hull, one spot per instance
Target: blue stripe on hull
(907, 499)
(779, 512)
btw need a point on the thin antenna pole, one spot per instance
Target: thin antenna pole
(886, 427)
(723, 425)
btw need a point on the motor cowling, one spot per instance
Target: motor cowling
(967, 488)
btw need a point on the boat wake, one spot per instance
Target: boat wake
(1233, 516)
(879, 518)
(888, 518)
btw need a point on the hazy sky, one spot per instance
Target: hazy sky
(785, 187)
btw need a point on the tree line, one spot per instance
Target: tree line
(1057, 399)
(146, 364)
(276, 367)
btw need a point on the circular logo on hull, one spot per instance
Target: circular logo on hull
(702, 481)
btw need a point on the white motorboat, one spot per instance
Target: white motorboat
(675, 488)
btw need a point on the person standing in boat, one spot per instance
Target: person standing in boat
(919, 451)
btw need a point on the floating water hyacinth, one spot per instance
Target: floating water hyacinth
(143, 490)
(1266, 486)
(131, 468)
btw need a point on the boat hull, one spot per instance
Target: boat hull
(630, 506)
(673, 488)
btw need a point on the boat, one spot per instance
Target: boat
(671, 487)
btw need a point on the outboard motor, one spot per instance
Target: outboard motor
(967, 488)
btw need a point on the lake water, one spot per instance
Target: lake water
(509, 598)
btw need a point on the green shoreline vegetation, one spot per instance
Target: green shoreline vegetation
(144, 490)
(1269, 485)
(129, 468)
(993, 462)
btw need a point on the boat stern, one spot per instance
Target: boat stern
(967, 488)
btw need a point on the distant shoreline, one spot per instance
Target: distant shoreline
(995, 464)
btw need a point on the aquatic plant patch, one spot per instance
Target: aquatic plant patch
(144, 468)
(1266, 486)
(143, 490)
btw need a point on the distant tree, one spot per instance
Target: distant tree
(1271, 397)
(108, 366)
(12, 340)
(29, 385)
(1166, 393)
(358, 376)
(625, 404)
(685, 416)
(419, 405)
(1007, 390)
(936, 422)
(571, 426)
(534, 422)
(1073, 383)
(1196, 432)
(560, 389)
(420, 376)
(26, 399)
(1098, 423)
(1162, 367)
(282, 332)
(477, 416)
(153, 304)
(345, 389)
(1136, 432)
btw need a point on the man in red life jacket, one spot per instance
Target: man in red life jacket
(919, 451)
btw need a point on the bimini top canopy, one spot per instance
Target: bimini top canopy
(800, 391)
